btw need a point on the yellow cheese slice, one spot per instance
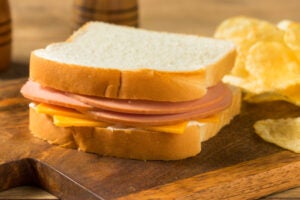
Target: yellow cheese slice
(65, 117)
(179, 128)
(58, 110)
(66, 121)
(176, 128)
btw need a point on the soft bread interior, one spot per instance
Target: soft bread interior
(102, 45)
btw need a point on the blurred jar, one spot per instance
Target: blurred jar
(122, 12)
(5, 35)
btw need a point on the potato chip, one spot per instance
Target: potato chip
(245, 32)
(274, 64)
(271, 68)
(284, 24)
(242, 52)
(248, 28)
(248, 84)
(267, 66)
(291, 35)
(282, 132)
(291, 93)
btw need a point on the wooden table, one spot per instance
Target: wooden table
(37, 23)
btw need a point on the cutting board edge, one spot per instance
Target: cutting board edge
(226, 183)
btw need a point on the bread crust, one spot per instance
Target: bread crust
(140, 84)
(130, 142)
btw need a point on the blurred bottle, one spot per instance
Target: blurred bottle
(5, 35)
(122, 12)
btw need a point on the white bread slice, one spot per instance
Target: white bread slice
(122, 62)
(130, 142)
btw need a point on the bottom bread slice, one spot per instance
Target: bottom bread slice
(131, 142)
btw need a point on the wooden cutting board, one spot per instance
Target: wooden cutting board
(236, 164)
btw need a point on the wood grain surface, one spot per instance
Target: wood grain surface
(5, 35)
(236, 164)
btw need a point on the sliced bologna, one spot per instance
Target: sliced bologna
(34, 91)
(213, 95)
(163, 119)
(134, 112)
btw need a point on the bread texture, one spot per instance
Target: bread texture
(132, 142)
(126, 63)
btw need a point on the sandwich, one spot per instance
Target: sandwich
(131, 93)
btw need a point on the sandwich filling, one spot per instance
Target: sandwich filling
(97, 111)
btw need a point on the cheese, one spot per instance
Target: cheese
(65, 117)
(179, 128)
(65, 121)
(58, 110)
(176, 128)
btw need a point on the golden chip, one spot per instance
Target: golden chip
(267, 66)
(282, 132)
(242, 50)
(247, 84)
(248, 28)
(245, 32)
(284, 24)
(273, 64)
(291, 35)
(257, 92)
(291, 93)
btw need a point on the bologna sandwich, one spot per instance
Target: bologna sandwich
(131, 93)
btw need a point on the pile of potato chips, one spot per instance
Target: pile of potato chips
(267, 68)
(268, 63)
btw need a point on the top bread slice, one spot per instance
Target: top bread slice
(113, 61)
